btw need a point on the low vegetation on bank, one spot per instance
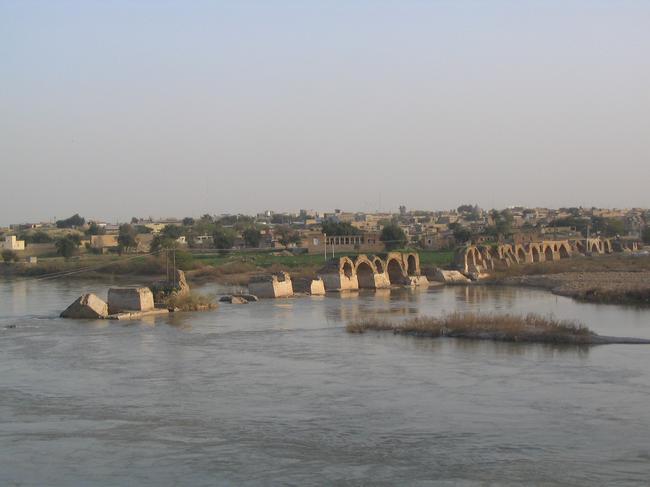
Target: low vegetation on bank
(498, 327)
(635, 296)
(191, 302)
(599, 263)
(228, 268)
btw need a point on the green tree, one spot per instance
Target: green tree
(72, 222)
(252, 237)
(188, 221)
(160, 242)
(608, 227)
(339, 229)
(37, 237)
(224, 238)
(172, 231)
(579, 223)
(94, 229)
(184, 260)
(126, 239)
(66, 246)
(462, 234)
(75, 238)
(287, 235)
(393, 237)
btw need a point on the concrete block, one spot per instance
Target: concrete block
(124, 299)
(450, 277)
(271, 286)
(317, 287)
(87, 306)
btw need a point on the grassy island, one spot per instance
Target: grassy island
(531, 328)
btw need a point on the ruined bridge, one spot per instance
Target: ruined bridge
(372, 271)
(476, 259)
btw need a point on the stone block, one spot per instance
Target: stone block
(125, 299)
(450, 277)
(317, 287)
(87, 306)
(271, 286)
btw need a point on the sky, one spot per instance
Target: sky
(115, 109)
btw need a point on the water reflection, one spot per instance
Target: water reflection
(535, 350)
(394, 302)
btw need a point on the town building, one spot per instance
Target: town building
(11, 242)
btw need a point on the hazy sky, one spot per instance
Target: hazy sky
(115, 108)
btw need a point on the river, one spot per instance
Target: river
(277, 393)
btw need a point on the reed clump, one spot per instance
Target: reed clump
(498, 327)
(191, 302)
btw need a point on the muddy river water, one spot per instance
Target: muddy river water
(277, 393)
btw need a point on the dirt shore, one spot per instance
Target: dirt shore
(615, 287)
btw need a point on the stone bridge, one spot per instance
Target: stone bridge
(478, 259)
(372, 271)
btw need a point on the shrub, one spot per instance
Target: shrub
(191, 302)
(9, 255)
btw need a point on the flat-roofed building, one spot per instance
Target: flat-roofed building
(11, 242)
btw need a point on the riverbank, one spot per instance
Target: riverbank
(607, 279)
(531, 328)
(232, 268)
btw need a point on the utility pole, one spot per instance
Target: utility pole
(325, 242)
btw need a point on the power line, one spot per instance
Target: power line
(80, 270)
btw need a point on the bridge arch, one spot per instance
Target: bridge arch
(396, 274)
(535, 253)
(411, 265)
(565, 250)
(365, 275)
(379, 264)
(347, 267)
(548, 253)
(520, 254)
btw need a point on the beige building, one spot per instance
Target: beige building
(314, 242)
(12, 243)
(102, 242)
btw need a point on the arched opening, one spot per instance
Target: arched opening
(365, 275)
(521, 255)
(411, 266)
(379, 265)
(594, 248)
(471, 258)
(476, 258)
(395, 273)
(347, 270)
(564, 252)
(535, 254)
(548, 254)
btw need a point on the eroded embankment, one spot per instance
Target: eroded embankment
(595, 287)
(531, 328)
